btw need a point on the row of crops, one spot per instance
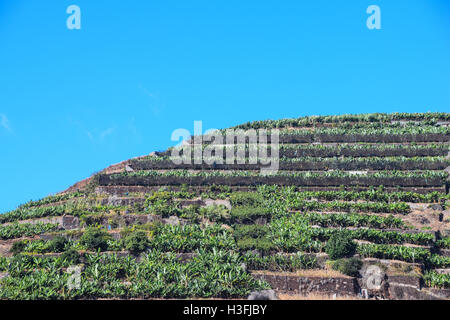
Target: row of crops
(331, 174)
(243, 213)
(382, 134)
(362, 150)
(157, 237)
(364, 131)
(298, 178)
(344, 220)
(361, 125)
(438, 280)
(300, 163)
(375, 136)
(25, 230)
(53, 199)
(159, 275)
(374, 200)
(286, 232)
(323, 150)
(311, 121)
(214, 273)
(69, 208)
(375, 195)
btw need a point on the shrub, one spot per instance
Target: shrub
(252, 199)
(158, 196)
(92, 219)
(149, 228)
(190, 212)
(349, 267)
(164, 209)
(137, 242)
(340, 245)
(249, 214)
(250, 231)
(71, 256)
(216, 213)
(263, 245)
(18, 247)
(58, 244)
(3, 263)
(95, 238)
(161, 203)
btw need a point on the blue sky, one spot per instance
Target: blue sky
(75, 101)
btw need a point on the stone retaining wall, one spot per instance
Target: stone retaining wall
(444, 252)
(306, 165)
(293, 284)
(107, 180)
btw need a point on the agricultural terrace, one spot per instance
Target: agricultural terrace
(352, 193)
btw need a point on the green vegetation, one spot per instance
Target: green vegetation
(362, 150)
(278, 262)
(249, 199)
(377, 207)
(309, 163)
(95, 239)
(18, 247)
(159, 275)
(375, 195)
(74, 209)
(249, 214)
(3, 264)
(353, 220)
(71, 256)
(436, 280)
(161, 203)
(349, 266)
(53, 199)
(443, 243)
(366, 130)
(137, 242)
(17, 230)
(348, 118)
(340, 246)
(153, 232)
(306, 175)
(382, 251)
(58, 244)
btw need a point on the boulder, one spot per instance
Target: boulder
(263, 295)
(210, 202)
(436, 207)
(70, 222)
(175, 221)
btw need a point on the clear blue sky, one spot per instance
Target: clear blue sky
(75, 101)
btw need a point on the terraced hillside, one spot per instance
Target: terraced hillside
(359, 208)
